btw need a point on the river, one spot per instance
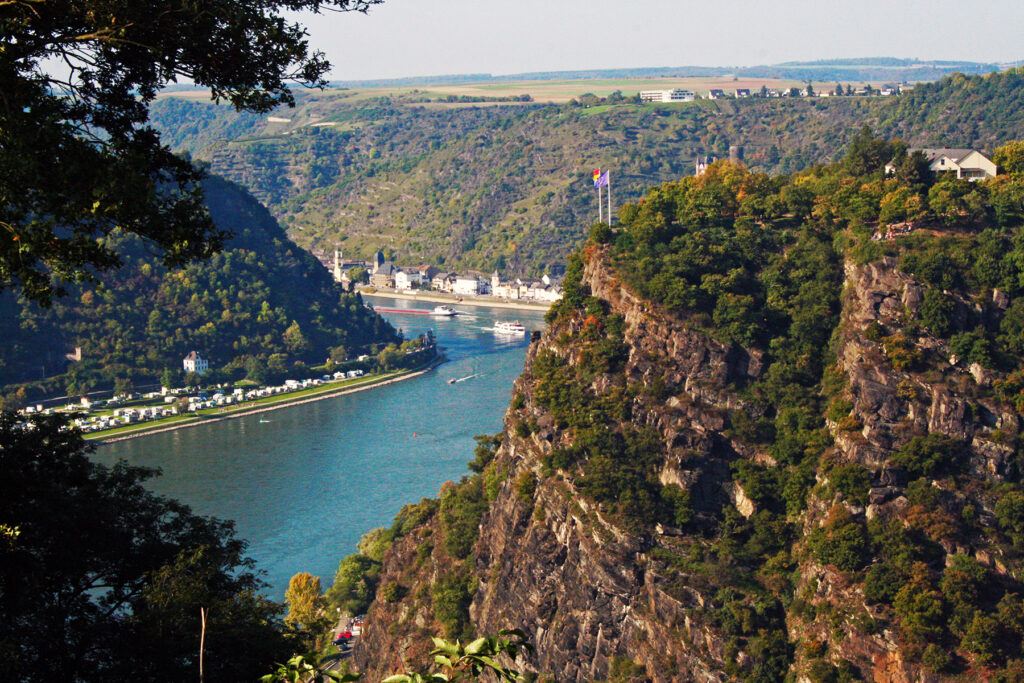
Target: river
(303, 487)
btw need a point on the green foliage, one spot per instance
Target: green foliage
(455, 662)
(840, 541)
(104, 580)
(919, 608)
(1009, 158)
(930, 455)
(1009, 511)
(305, 667)
(450, 597)
(462, 506)
(355, 584)
(392, 592)
(84, 161)
(624, 670)
(867, 154)
(851, 480)
(901, 351)
(936, 657)
(679, 501)
(981, 638)
(937, 313)
(260, 296)
(526, 486)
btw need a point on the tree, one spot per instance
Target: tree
(169, 379)
(1009, 158)
(306, 603)
(104, 580)
(867, 154)
(124, 385)
(355, 584)
(79, 160)
(295, 340)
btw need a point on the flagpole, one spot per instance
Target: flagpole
(609, 198)
(600, 216)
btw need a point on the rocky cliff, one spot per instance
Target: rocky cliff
(666, 557)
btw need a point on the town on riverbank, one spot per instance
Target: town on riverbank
(429, 283)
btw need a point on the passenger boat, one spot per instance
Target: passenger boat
(509, 327)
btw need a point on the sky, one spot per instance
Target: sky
(402, 38)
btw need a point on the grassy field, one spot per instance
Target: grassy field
(557, 92)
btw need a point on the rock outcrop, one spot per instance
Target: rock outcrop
(593, 590)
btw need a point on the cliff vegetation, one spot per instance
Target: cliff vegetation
(768, 435)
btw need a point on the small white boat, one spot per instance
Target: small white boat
(509, 327)
(444, 310)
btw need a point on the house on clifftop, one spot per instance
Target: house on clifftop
(968, 164)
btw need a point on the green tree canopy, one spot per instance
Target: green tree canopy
(103, 580)
(78, 159)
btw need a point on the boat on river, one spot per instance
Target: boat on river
(509, 327)
(446, 311)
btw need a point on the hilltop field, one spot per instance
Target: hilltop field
(553, 91)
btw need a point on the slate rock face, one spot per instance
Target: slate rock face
(588, 591)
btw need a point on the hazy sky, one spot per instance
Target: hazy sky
(420, 37)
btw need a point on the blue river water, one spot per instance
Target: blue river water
(305, 486)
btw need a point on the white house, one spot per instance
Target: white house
(406, 278)
(675, 95)
(466, 285)
(968, 164)
(194, 362)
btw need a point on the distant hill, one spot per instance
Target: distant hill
(859, 69)
(262, 295)
(507, 186)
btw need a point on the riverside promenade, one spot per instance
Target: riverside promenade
(437, 298)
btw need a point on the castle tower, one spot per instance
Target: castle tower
(378, 260)
(337, 265)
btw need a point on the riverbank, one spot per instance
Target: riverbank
(275, 404)
(435, 298)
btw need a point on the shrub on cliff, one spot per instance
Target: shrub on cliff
(461, 509)
(840, 541)
(930, 455)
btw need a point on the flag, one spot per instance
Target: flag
(601, 180)
(597, 174)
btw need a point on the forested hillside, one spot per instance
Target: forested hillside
(508, 185)
(261, 297)
(755, 443)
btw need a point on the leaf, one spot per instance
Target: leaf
(477, 645)
(398, 678)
